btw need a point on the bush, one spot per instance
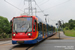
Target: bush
(4, 35)
(66, 28)
(1, 31)
(74, 28)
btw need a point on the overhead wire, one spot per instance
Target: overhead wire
(40, 1)
(14, 6)
(56, 5)
(22, 10)
(51, 7)
(39, 7)
(44, 2)
(41, 10)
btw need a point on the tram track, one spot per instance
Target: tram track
(25, 46)
(22, 47)
(28, 48)
(39, 42)
(9, 46)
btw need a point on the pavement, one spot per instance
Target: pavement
(5, 42)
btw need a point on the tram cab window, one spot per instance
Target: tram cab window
(35, 26)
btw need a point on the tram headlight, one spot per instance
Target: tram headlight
(29, 34)
(14, 34)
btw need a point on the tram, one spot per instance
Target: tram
(29, 30)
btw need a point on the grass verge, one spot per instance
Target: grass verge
(69, 33)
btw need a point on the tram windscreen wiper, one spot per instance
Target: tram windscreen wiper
(22, 25)
(27, 29)
(16, 31)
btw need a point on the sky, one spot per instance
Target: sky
(62, 10)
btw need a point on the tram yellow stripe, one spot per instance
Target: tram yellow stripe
(36, 35)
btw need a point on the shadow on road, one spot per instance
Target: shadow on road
(22, 45)
(25, 46)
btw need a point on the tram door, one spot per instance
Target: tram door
(44, 30)
(40, 30)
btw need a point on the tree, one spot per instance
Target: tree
(4, 24)
(70, 25)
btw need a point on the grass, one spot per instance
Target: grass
(69, 33)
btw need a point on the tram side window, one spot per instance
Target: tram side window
(47, 27)
(44, 28)
(50, 29)
(40, 26)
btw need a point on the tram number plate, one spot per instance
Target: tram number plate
(20, 41)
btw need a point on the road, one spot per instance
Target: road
(7, 45)
(54, 43)
(51, 43)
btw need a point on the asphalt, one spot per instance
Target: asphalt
(7, 45)
(56, 43)
(51, 43)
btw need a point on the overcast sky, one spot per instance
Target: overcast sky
(57, 9)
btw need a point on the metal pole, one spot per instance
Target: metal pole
(45, 17)
(57, 30)
(61, 25)
(35, 9)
